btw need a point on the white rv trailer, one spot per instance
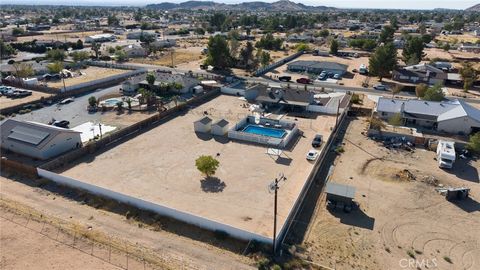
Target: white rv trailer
(445, 154)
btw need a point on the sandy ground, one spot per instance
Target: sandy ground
(163, 171)
(185, 58)
(165, 249)
(24, 247)
(398, 219)
(89, 74)
(9, 102)
(457, 38)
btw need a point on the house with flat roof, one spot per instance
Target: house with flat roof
(316, 67)
(453, 116)
(37, 140)
(291, 99)
(421, 73)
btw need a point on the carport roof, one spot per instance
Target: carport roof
(341, 190)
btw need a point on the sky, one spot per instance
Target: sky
(383, 4)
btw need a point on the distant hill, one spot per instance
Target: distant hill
(282, 5)
(474, 8)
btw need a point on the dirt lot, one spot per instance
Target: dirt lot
(400, 218)
(9, 102)
(24, 247)
(190, 58)
(89, 74)
(163, 171)
(163, 249)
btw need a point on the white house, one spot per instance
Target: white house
(203, 125)
(134, 50)
(37, 140)
(453, 116)
(220, 127)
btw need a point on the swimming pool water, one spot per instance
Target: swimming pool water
(265, 131)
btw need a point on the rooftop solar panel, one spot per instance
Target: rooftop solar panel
(28, 135)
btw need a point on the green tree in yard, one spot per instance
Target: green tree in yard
(55, 55)
(334, 47)
(396, 120)
(246, 56)
(18, 31)
(96, 48)
(369, 45)
(263, 57)
(469, 75)
(6, 50)
(413, 50)
(207, 165)
(55, 67)
(434, 93)
(112, 20)
(420, 90)
(474, 143)
(121, 56)
(151, 79)
(23, 70)
(377, 124)
(92, 101)
(129, 103)
(80, 56)
(302, 47)
(218, 52)
(324, 33)
(120, 106)
(383, 61)
(234, 45)
(386, 35)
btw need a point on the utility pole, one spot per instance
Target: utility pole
(336, 115)
(273, 187)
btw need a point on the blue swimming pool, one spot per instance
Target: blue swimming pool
(265, 131)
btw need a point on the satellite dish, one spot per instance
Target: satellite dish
(271, 187)
(276, 183)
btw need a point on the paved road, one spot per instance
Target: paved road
(316, 87)
(74, 112)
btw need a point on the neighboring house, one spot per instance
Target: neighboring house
(134, 50)
(472, 48)
(100, 38)
(38, 27)
(37, 140)
(454, 116)
(295, 100)
(421, 73)
(316, 67)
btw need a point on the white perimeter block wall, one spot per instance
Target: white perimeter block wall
(160, 209)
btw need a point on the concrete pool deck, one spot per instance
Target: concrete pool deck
(159, 166)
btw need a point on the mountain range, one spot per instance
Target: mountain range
(474, 8)
(282, 5)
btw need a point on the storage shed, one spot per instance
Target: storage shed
(338, 193)
(220, 127)
(203, 125)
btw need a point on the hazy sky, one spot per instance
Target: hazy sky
(396, 4)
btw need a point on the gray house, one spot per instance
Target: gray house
(454, 116)
(421, 73)
(37, 140)
(316, 67)
(269, 97)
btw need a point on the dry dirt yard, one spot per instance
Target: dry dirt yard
(6, 102)
(52, 36)
(159, 166)
(401, 219)
(24, 247)
(89, 74)
(184, 58)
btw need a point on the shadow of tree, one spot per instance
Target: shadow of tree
(212, 184)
